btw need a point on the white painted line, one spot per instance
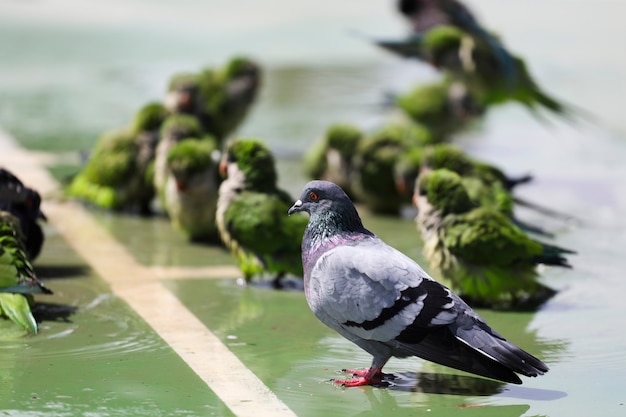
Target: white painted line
(240, 390)
(182, 272)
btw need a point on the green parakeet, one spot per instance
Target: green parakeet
(191, 188)
(251, 214)
(331, 157)
(175, 128)
(424, 15)
(473, 61)
(374, 164)
(219, 97)
(444, 107)
(479, 253)
(18, 281)
(118, 174)
(491, 186)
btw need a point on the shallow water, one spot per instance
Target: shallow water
(74, 72)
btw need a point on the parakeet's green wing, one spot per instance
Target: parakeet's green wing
(17, 308)
(487, 237)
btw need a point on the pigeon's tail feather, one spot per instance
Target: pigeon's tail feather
(487, 342)
(442, 347)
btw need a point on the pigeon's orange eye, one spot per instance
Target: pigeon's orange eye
(313, 196)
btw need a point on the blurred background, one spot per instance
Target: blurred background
(71, 69)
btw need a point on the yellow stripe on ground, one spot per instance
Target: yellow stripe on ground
(240, 390)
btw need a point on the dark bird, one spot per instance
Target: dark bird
(384, 302)
(473, 62)
(424, 15)
(25, 204)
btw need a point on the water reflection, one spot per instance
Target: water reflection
(382, 402)
(439, 383)
(53, 312)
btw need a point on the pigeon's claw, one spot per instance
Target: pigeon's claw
(356, 372)
(362, 377)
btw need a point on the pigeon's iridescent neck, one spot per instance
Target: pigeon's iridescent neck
(327, 231)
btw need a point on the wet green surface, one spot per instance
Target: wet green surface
(93, 355)
(73, 75)
(296, 356)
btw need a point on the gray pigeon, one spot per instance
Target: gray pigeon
(380, 299)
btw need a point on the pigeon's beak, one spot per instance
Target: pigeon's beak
(297, 206)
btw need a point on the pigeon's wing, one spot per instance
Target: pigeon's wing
(374, 292)
(469, 344)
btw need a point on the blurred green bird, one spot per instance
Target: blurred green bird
(486, 183)
(220, 98)
(374, 165)
(191, 188)
(251, 214)
(331, 158)
(444, 107)
(478, 252)
(472, 61)
(175, 128)
(424, 15)
(119, 172)
(18, 281)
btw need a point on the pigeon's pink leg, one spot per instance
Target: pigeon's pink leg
(370, 376)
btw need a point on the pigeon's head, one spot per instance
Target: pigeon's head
(326, 202)
(444, 191)
(320, 196)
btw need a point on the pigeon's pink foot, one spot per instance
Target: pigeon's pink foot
(362, 377)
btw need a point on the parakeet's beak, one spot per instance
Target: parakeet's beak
(295, 208)
(415, 200)
(181, 185)
(401, 187)
(223, 168)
